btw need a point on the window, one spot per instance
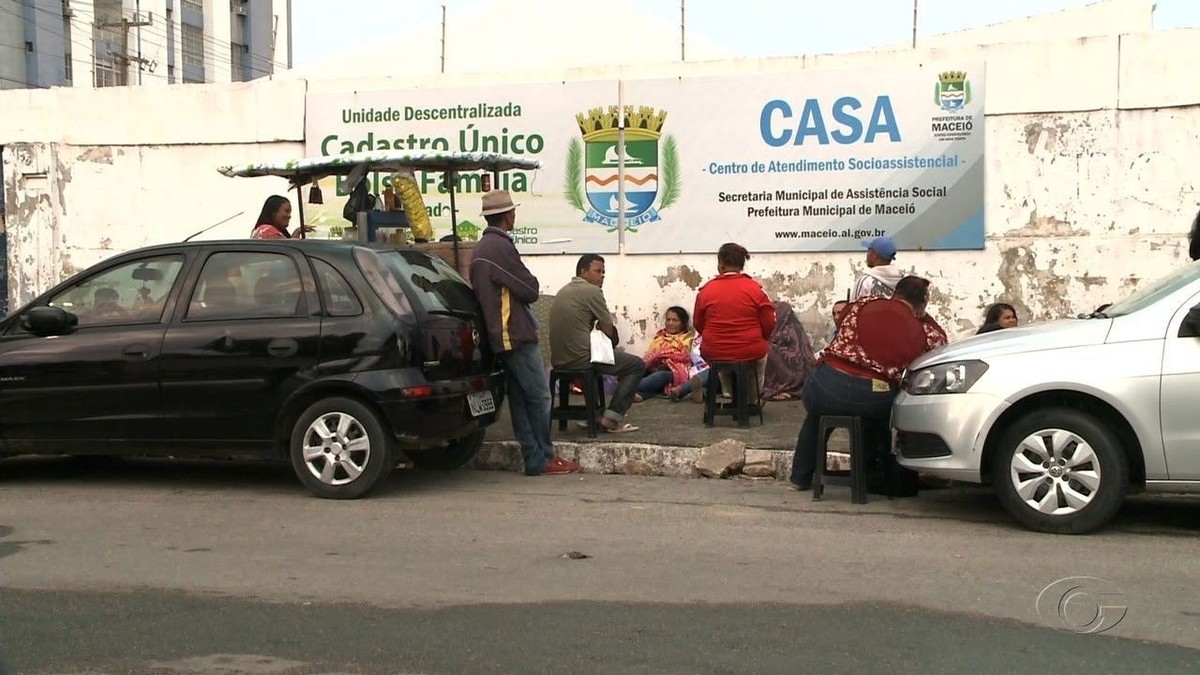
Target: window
(194, 5)
(431, 283)
(246, 286)
(193, 46)
(131, 293)
(336, 294)
(108, 75)
(67, 65)
(1148, 295)
(237, 59)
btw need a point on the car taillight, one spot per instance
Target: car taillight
(420, 391)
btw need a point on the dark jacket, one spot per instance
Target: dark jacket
(505, 287)
(1194, 239)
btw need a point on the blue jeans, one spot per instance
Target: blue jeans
(529, 403)
(831, 392)
(653, 384)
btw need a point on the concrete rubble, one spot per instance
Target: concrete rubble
(637, 459)
(721, 459)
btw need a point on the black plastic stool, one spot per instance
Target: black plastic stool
(858, 457)
(593, 398)
(744, 377)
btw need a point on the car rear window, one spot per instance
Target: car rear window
(430, 282)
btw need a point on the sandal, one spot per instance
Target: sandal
(622, 429)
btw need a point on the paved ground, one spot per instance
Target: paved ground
(663, 422)
(154, 567)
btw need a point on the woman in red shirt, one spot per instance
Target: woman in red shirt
(734, 314)
(859, 372)
(274, 219)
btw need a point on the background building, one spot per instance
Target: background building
(105, 43)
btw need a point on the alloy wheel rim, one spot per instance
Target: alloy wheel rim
(1055, 472)
(336, 448)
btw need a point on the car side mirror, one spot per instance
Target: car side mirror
(1191, 323)
(46, 321)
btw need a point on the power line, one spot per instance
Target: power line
(259, 63)
(24, 84)
(209, 40)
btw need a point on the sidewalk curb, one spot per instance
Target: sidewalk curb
(637, 459)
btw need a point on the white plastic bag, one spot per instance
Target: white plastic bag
(602, 349)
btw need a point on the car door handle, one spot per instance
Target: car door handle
(282, 347)
(136, 352)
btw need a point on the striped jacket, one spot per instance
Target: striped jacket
(505, 288)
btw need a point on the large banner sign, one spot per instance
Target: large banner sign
(806, 161)
(535, 121)
(816, 160)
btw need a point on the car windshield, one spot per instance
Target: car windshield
(1148, 295)
(435, 285)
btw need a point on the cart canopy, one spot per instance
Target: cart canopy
(357, 165)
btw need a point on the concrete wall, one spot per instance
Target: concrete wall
(1107, 17)
(85, 179)
(1089, 192)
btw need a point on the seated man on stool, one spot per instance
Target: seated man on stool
(578, 308)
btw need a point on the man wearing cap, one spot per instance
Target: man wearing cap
(505, 288)
(881, 275)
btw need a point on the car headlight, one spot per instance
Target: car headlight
(945, 378)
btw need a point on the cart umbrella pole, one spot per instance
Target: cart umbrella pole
(300, 206)
(449, 175)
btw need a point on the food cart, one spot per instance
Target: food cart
(371, 221)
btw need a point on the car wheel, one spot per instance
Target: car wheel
(1060, 471)
(450, 456)
(339, 449)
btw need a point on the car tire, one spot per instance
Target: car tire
(448, 457)
(339, 449)
(1060, 471)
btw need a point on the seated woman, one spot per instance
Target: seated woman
(697, 377)
(735, 315)
(859, 373)
(668, 357)
(1000, 315)
(789, 357)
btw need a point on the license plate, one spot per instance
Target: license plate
(481, 403)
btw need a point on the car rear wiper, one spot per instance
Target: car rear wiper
(460, 313)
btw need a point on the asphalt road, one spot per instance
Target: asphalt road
(156, 567)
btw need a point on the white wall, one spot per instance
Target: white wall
(1106, 17)
(1090, 186)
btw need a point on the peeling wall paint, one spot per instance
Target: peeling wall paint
(1085, 202)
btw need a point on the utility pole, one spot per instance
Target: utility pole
(126, 25)
(443, 38)
(914, 34)
(682, 30)
(274, 33)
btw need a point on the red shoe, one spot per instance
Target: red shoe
(560, 467)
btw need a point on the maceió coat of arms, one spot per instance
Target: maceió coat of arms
(593, 174)
(952, 91)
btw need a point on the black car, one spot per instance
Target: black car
(338, 355)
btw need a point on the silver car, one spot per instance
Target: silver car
(1065, 418)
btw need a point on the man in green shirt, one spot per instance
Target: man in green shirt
(578, 308)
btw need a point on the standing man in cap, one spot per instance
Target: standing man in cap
(881, 276)
(505, 288)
